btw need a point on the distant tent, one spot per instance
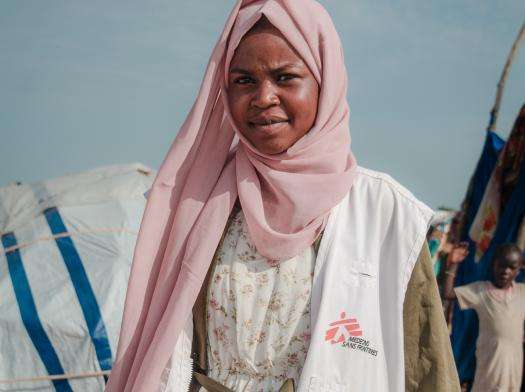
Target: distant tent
(66, 247)
(502, 196)
(489, 156)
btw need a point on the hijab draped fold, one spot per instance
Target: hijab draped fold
(286, 198)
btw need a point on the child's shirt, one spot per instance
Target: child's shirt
(499, 348)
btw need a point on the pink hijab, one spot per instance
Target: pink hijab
(286, 198)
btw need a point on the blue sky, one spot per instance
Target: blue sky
(91, 83)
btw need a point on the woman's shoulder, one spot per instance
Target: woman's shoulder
(387, 191)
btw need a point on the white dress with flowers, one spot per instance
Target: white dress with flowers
(258, 314)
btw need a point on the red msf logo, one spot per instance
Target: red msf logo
(340, 330)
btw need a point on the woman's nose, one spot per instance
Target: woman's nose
(265, 96)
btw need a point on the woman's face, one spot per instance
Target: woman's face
(271, 92)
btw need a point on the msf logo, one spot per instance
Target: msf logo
(339, 331)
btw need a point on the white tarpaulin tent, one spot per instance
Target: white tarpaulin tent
(65, 252)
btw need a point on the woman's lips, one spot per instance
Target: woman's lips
(269, 129)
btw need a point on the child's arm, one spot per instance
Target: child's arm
(456, 256)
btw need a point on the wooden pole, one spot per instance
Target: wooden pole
(504, 75)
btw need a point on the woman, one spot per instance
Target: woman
(307, 284)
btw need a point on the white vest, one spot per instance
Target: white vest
(368, 250)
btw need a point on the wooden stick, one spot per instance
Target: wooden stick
(504, 75)
(58, 377)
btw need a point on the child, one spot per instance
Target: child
(500, 305)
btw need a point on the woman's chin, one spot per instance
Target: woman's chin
(271, 145)
(271, 149)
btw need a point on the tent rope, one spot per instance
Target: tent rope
(57, 377)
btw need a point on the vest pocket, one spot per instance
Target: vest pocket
(360, 273)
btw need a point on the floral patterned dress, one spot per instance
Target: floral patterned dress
(258, 314)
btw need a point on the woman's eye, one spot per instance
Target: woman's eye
(285, 77)
(244, 80)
